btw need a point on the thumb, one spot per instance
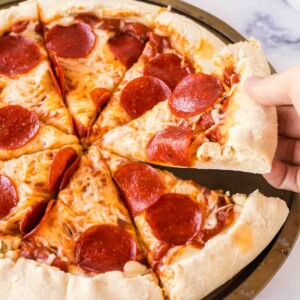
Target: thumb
(270, 91)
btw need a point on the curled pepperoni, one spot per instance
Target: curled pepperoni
(142, 93)
(18, 126)
(59, 75)
(18, 55)
(168, 67)
(8, 196)
(34, 225)
(140, 184)
(104, 248)
(61, 162)
(174, 219)
(194, 94)
(73, 41)
(100, 97)
(137, 29)
(68, 174)
(171, 146)
(19, 26)
(126, 48)
(33, 217)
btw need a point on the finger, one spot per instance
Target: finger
(289, 122)
(284, 176)
(288, 151)
(276, 90)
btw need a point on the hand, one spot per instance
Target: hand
(282, 90)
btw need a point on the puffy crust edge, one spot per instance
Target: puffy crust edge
(252, 136)
(228, 253)
(24, 11)
(30, 279)
(190, 39)
(54, 9)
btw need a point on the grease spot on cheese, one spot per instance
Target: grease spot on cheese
(242, 237)
(205, 49)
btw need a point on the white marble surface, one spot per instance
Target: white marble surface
(276, 23)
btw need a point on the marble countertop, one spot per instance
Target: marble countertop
(276, 23)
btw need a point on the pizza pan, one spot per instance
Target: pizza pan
(247, 283)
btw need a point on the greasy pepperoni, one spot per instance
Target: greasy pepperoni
(59, 74)
(18, 126)
(126, 48)
(104, 248)
(33, 217)
(8, 196)
(140, 184)
(73, 41)
(137, 29)
(61, 162)
(174, 219)
(142, 93)
(100, 97)
(194, 94)
(171, 146)
(18, 55)
(80, 130)
(70, 171)
(19, 26)
(168, 67)
(87, 18)
(41, 221)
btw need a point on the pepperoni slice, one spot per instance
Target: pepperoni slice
(8, 196)
(33, 217)
(174, 219)
(171, 146)
(140, 184)
(100, 97)
(104, 248)
(68, 174)
(137, 29)
(73, 41)
(34, 225)
(19, 26)
(158, 43)
(142, 93)
(168, 67)
(80, 130)
(126, 48)
(59, 74)
(18, 126)
(61, 162)
(18, 55)
(194, 94)
(110, 25)
(87, 18)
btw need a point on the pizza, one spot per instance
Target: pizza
(92, 91)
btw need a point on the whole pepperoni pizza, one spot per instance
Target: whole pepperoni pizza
(90, 92)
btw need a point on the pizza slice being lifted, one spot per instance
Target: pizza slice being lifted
(26, 77)
(89, 235)
(196, 238)
(165, 61)
(103, 39)
(208, 121)
(22, 133)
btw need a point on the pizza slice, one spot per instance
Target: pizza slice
(21, 133)
(196, 238)
(26, 77)
(208, 122)
(27, 183)
(164, 62)
(89, 235)
(103, 39)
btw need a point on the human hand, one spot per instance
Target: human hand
(282, 90)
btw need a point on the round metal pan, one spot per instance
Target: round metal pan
(247, 283)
